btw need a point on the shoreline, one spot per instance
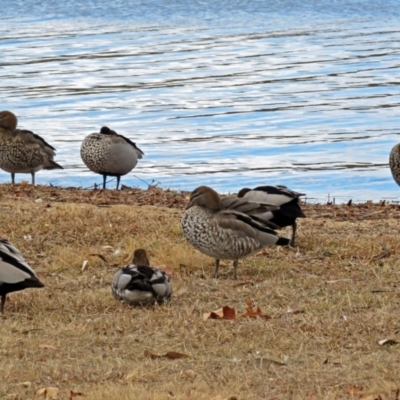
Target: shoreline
(153, 195)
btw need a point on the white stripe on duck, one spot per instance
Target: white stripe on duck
(138, 284)
(15, 273)
(22, 151)
(394, 163)
(224, 233)
(109, 154)
(287, 200)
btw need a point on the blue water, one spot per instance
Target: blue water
(224, 93)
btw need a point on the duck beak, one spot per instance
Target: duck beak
(188, 205)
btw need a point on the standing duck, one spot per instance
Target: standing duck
(287, 200)
(22, 151)
(15, 273)
(138, 284)
(224, 233)
(109, 154)
(394, 162)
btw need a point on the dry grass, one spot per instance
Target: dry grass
(330, 301)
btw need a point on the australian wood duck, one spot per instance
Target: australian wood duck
(22, 151)
(287, 200)
(224, 233)
(394, 163)
(109, 154)
(138, 284)
(15, 273)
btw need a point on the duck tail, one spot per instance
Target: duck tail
(282, 242)
(52, 165)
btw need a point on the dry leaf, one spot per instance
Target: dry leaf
(108, 249)
(264, 362)
(73, 394)
(47, 346)
(84, 264)
(172, 355)
(182, 290)
(99, 255)
(222, 313)
(354, 390)
(252, 313)
(48, 393)
(387, 342)
(168, 270)
(190, 373)
(224, 398)
(26, 384)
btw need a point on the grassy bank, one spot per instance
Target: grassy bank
(327, 303)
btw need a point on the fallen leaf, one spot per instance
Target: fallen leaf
(387, 342)
(224, 398)
(172, 355)
(182, 290)
(264, 362)
(108, 249)
(222, 313)
(190, 373)
(168, 270)
(48, 393)
(354, 390)
(26, 384)
(252, 313)
(84, 264)
(100, 256)
(73, 394)
(47, 346)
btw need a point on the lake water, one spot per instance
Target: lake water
(225, 93)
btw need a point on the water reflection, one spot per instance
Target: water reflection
(298, 94)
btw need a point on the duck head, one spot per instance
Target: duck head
(243, 191)
(105, 130)
(140, 258)
(8, 120)
(204, 196)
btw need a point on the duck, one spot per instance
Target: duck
(224, 233)
(15, 273)
(139, 284)
(21, 150)
(109, 154)
(394, 163)
(287, 200)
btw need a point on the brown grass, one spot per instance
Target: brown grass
(330, 301)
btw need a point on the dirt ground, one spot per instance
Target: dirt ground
(328, 325)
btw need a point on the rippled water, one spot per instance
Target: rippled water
(225, 93)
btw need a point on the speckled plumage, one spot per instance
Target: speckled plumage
(15, 273)
(22, 151)
(138, 284)
(394, 163)
(288, 201)
(224, 233)
(109, 154)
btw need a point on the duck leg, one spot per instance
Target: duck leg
(13, 178)
(292, 239)
(216, 268)
(235, 265)
(33, 178)
(104, 181)
(118, 179)
(3, 301)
